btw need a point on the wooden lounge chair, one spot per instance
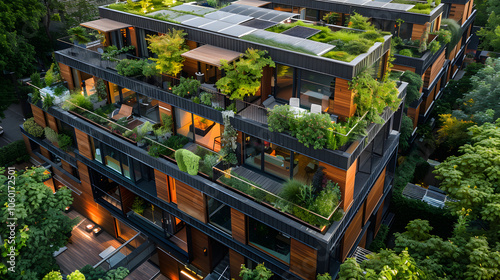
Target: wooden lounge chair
(125, 111)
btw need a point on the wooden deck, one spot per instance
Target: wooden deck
(145, 271)
(84, 247)
(261, 180)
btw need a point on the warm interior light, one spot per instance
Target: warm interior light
(187, 275)
(90, 226)
(97, 230)
(67, 208)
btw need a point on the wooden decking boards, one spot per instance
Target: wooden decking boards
(264, 182)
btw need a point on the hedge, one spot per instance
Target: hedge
(12, 153)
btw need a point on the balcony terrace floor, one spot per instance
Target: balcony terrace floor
(259, 179)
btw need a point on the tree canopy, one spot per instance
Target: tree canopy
(41, 227)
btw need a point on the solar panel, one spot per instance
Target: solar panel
(258, 23)
(301, 32)
(217, 26)
(184, 18)
(234, 18)
(237, 30)
(199, 10)
(218, 15)
(198, 21)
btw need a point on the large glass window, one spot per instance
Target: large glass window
(198, 129)
(283, 85)
(149, 108)
(317, 89)
(269, 240)
(306, 167)
(219, 214)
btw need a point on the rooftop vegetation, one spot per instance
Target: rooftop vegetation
(419, 7)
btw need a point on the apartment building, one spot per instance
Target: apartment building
(209, 224)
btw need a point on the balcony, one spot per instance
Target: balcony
(422, 61)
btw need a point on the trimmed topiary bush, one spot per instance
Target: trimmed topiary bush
(33, 128)
(51, 135)
(187, 161)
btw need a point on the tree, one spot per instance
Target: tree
(414, 84)
(490, 34)
(41, 227)
(406, 131)
(243, 76)
(384, 265)
(168, 48)
(453, 132)
(259, 273)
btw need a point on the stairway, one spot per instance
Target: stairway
(220, 272)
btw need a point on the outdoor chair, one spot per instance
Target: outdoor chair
(125, 112)
(295, 102)
(270, 102)
(315, 109)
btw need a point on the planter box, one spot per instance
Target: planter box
(51, 91)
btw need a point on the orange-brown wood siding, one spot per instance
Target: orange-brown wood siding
(379, 217)
(133, 40)
(45, 152)
(303, 259)
(82, 140)
(403, 68)
(362, 242)
(169, 267)
(456, 12)
(127, 199)
(38, 115)
(413, 114)
(200, 242)
(345, 179)
(343, 103)
(235, 262)
(418, 31)
(191, 201)
(51, 122)
(374, 195)
(433, 70)
(161, 186)
(238, 226)
(351, 234)
(66, 75)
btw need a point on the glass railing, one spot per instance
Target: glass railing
(124, 255)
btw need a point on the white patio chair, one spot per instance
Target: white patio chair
(295, 102)
(315, 109)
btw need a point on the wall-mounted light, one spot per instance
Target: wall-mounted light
(205, 251)
(188, 275)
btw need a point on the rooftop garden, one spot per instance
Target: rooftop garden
(430, 41)
(420, 7)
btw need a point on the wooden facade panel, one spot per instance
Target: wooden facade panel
(374, 195)
(235, 262)
(169, 267)
(133, 39)
(127, 198)
(403, 68)
(351, 234)
(345, 180)
(45, 152)
(161, 186)
(66, 166)
(433, 70)
(38, 115)
(418, 30)
(456, 12)
(238, 226)
(343, 102)
(51, 121)
(379, 217)
(199, 243)
(413, 114)
(191, 201)
(82, 140)
(303, 259)
(83, 171)
(362, 242)
(67, 76)
(190, 66)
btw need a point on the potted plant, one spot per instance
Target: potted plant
(79, 36)
(141, 132)
(138, 206)
(168, 49)
(101, 94)
(186, 87)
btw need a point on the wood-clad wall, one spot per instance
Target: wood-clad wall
(161, 186)
(51, 121)
(127, 198)
(379, 217)
(66, 75)
(433, 70)
(38, 115)
(133, 39)
(45, 152)
(362, 242)
(303, 259)
(403, 68)
(457, 12)
(374, 195)
(169, 267)
(238, 226)
(83, 143)
(413, 114)
(266, 89)
(345, 179)
(343, 102)
(200, 242)
(191, 201)
(418, 30)
(235, 262)
(351, 234)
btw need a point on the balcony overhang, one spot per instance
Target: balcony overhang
(211, 55)
(105, 25)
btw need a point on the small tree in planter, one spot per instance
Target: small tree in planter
(243, 76)
(168, 48)
(138, 206)
(79, 35)
(187, 87)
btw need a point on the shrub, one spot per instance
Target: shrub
(280, 118)
(187, 161)
(196, 99)
(379, 241)
(138, 205)
(58, 91)
(356, 47)
(186, 87)
(51, 135)
(176, 141)
(312, 130)
(291, 190)
(12, 153)
(79, 35)
(434, 46)
(167, 122)
(130, 67)
(168, 48)
(358, 21)
(209, 161)
(81, 101)
(206, 98)
(36, 80)
(64, 141)
(50, 76)
(406, 52)
(33, 128)
(339, 55)
(48, 101)
(371, 35)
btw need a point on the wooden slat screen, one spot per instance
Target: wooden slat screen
(351, 234)
(200, 242)
(168, 265)
(83, 143)
(191, 201)
(418, 30)
(67, 76)
(303, 260)
(161, 185)
(238, 226)
(433, 70)
(51, 122)
(345, 180)
(343, 102)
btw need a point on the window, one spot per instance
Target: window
(269, 240)
(219, 214)
(316, 88)
(283, 87)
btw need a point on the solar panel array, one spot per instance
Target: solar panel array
(258, 13)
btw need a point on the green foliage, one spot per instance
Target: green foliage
(76, 275)
(243, 76)
(490, 34)
(91, 273)
(421, 8)
(406, 52)
(359, 46)
(77, 99)
(36, 80)
(101, 89)
(51, 76)
(53, 275)
(168, 48)
(212, 3)
(228, 139)
(406, 131)
(443, 36)
(64, 141)
(434, 46)
(187, 87)
(131, 67)
(50, 134)
(187, 161)
(456, 33)
(414, 84)
(196, 99)
(206, 98)
(280, 118)
(112, 51)
(372, 96)
(259, 273)
(79, 35)
(453, 131)
(291, 190)
(331, 17)
(138, 205)
(13, 153)
(143, 130)
(33, 128)
(312, 130)
(484, 93)
(340, 55)
(167, 122)
(325, 276)
(209, 161)
(358, 21)
(42, 228)
(379, 242)
(48, 101)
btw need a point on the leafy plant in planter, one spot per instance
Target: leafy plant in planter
(51, 76)
(51, 135)
(130, 67)
(143, 130)
(79, 35)
(100, 88)
(48, 101)
(138, 206)
(64, 141)
(186, 87)
(206, 98)
(259, 273)
(77, 99)
(33, 128)
(331, 18)
(312, 130)
(280, 118)
(243, 76)
(406, 52)
(414, 84)
(187, 161)
(168, 48)
(36, 80)
(228, 139)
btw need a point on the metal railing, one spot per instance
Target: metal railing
(122, 256)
